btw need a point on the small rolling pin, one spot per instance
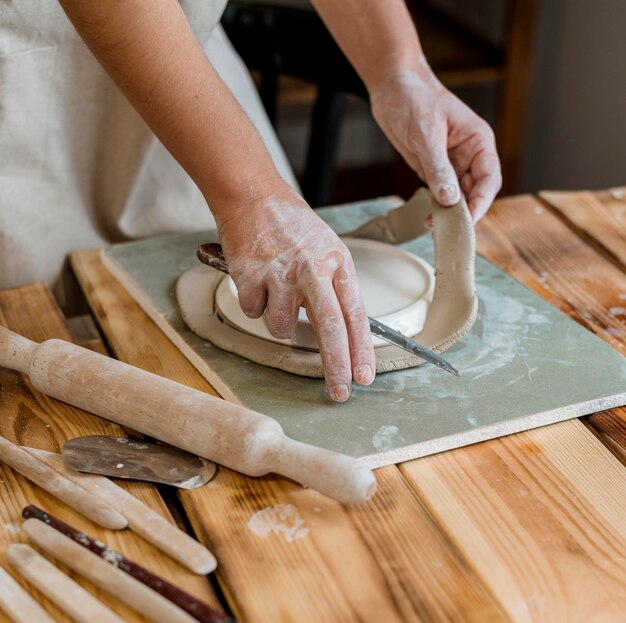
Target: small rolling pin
(229, 434)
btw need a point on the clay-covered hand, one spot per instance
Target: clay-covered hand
(440, 138)
(282, 256)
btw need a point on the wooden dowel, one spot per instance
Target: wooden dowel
(60, 487)
(58, 587)
(141, 518)
(187, 602)
(18, 604)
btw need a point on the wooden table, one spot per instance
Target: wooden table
(530, 527)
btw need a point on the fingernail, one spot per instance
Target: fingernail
(363, 374)
(339, 393)
(449, 194)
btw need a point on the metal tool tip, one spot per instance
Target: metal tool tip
(450, 368)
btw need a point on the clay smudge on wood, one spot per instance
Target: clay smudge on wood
(281, 519)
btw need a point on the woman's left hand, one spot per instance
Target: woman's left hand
(440, 138)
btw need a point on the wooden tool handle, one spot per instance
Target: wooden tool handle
(62, 488)
(336, 475)
(18, 604)
(141, 518)
(226, 433)
(59, 588)
(197, 609)
(105, 575)
(15, 351)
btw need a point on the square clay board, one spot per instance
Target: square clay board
(524, 363)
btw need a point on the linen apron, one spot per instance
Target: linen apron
(78, 167)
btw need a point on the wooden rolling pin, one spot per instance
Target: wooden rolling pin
(223, 432)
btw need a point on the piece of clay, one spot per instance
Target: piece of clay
(399, 225)
(451, 313)
(107, 576)
(67, 491)
(18, 604)
(141, 518)
(58, 587)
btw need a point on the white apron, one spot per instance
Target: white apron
(78, 166)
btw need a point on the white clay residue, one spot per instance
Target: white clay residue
(622, 296)
(617, 311)
(281, 519)
(387, 437)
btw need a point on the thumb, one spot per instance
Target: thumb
(440, 176)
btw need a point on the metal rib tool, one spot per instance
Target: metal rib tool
(213, 255)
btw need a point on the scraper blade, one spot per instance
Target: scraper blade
(137, 460)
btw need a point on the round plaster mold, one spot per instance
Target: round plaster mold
(396, 286)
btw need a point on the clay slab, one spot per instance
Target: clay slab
(524, 363)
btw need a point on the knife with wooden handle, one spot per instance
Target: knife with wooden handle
(226, 433)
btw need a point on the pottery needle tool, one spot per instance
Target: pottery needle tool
(142, 520)
(227, 433)
(212, 255)
(60, 487)
(59, 588)
(18, 604)
(196, 608)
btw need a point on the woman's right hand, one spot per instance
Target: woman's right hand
(283, 256)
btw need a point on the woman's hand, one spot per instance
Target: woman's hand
(282, 256)
(439, 137)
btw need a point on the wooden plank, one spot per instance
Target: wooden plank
(599, 215)
(541, 516)
(339, 564)
(30, 418)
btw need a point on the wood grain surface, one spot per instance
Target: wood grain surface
(540, 243)
(30, 418)
(598, 217)
(317, 566)
(525, 528)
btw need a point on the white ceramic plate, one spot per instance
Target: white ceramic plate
(397, 287)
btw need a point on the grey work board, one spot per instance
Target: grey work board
(524, 363)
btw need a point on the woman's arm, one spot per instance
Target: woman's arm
(150, 51)
(281, 254)
(438, 136)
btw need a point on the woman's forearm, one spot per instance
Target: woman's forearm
(376, 35)
(150, 51)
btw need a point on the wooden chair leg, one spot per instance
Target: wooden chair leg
(512, 115)
(323, 140)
